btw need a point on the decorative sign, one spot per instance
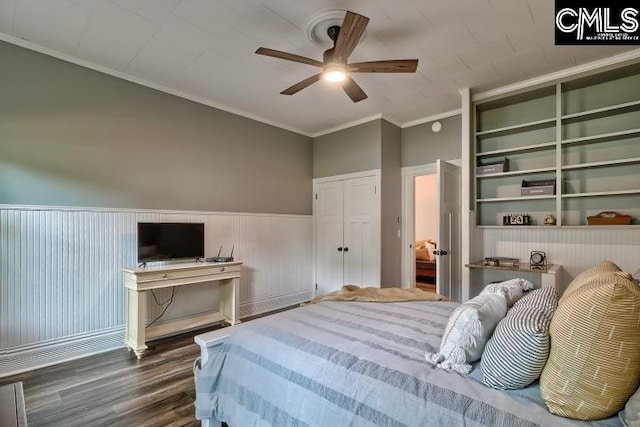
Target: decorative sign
(602, 22)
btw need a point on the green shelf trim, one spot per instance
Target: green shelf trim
(538, 124)
(516, 173)
(524, 148)
(602, 164)
(602, 194)
(602, 112)
(516, 199)
(602, 137)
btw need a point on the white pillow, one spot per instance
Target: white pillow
(469, 328)
(513, 289)
(630, 415)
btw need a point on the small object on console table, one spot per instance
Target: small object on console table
(497, 261)
(537, 259)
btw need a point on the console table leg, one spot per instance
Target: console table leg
(229, 295)
(136, 317)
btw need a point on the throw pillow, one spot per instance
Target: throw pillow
(588, 274)
(423, 254)
(470, 326)
(513, 289)
(518, 350)
(594, 362)
(630, 416)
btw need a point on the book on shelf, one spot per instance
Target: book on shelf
(501, 262)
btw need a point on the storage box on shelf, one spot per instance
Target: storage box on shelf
(583, 133)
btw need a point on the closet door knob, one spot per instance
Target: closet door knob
(346, 249)
(340, 249)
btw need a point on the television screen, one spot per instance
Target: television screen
(161, 241)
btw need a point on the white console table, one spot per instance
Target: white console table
(138, 281)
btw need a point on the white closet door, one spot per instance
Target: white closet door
(361, 232)
(329, 235)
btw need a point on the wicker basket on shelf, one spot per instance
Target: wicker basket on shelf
(609, 218)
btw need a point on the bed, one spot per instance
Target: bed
(426, 271)
(425, 261)
(351, 364)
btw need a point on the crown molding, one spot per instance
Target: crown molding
(435, 117)
(347, 125)
(124, 76)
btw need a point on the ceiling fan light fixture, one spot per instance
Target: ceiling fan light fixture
(335, 73)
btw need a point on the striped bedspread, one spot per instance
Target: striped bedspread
(354, 364)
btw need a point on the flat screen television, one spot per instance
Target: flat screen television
(163, 241)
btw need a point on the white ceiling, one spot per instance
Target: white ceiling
(204, 49)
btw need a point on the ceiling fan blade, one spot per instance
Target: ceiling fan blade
(288, 56)
(351, 31)
(301, 85)
(390, 66)
(354, 91)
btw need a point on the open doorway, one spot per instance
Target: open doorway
(443, 196)
(425, 230)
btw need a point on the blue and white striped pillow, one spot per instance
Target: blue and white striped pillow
(518, 350)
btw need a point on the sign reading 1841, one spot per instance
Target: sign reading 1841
(604, 22)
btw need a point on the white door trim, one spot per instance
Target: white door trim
(408, 261)
(378, 211)
(408, 256)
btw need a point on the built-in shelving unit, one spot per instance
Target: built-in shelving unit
(581, 132)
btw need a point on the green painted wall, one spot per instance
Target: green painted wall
(391, 204)
(70, 136)
(421, 146)
(354, 149)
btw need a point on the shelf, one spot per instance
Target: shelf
(602, 164)
(524, 267)
(603, 112)
(539, 124)
(519, 227)
(602, 226)
(517, 198)
(525, 148)
(602, 137)
(591, 144)
(554, 227)
(516, 173)
(602, 194)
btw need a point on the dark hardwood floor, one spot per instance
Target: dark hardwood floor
(115, 389)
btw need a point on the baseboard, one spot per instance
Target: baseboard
(276, 303)
(16, 360)
(20, 359)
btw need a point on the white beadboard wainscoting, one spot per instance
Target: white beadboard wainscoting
(575, 248)
(61, 289)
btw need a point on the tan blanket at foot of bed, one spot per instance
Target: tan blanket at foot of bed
(356, 293)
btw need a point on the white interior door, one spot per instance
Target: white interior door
(361, 248)
(449, 214)
(329, 236)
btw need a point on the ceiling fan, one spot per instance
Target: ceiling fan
(334, 64)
